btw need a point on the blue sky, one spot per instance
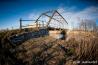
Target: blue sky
(12, 10)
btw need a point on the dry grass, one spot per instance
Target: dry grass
(86, 46)
(79, 45)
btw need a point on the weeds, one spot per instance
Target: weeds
(42, 51)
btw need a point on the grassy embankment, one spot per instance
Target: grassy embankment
(79, 46)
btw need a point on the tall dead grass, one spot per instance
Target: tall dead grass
(86, 49)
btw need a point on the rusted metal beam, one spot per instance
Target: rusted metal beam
(50, 19)
(30, 20)
(61, 16)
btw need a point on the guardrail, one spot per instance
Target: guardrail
(20, 38)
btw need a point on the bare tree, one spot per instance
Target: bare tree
(87, 25)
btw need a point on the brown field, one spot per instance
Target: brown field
(78, 46)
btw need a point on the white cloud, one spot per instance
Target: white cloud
(33, 15)
(88, 13)
(73, 16)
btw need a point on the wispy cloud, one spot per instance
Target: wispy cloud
(33, 15)
(72, 15)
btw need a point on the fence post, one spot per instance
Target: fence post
(20, 24)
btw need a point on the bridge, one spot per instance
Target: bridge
(43, 27)
(52, 15)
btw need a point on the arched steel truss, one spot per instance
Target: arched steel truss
(50, 17)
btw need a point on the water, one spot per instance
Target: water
(59, 36)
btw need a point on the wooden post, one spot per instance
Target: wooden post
(37, 25)
(20, 24)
